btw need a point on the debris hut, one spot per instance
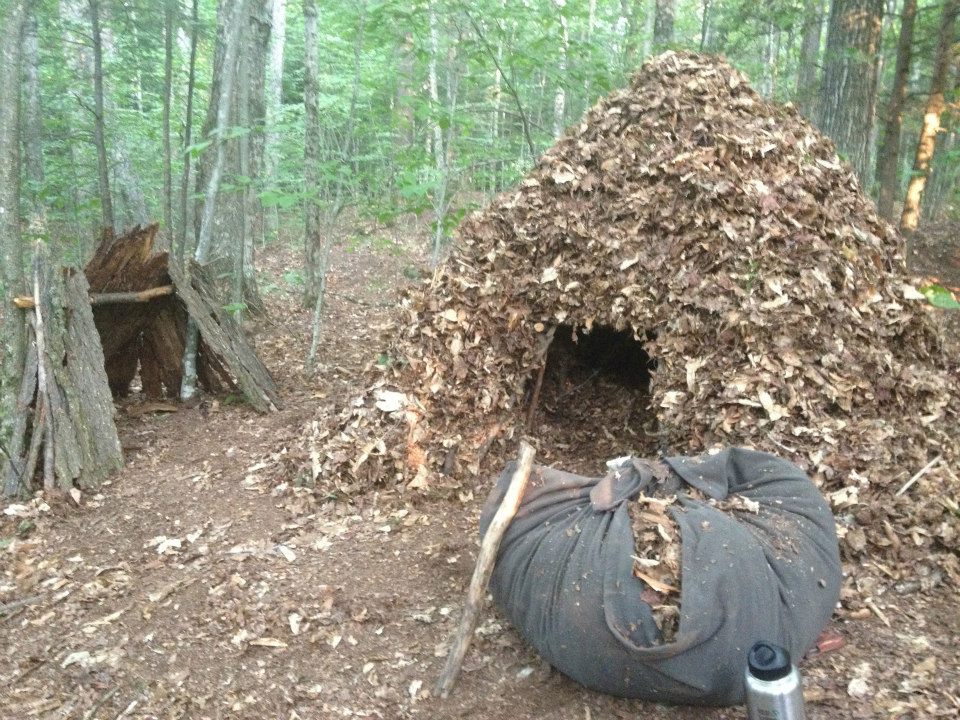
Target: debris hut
(715, 239)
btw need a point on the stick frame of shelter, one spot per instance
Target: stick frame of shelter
(25, 302)
(484, 569)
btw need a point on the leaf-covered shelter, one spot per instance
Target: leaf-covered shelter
(707, 251)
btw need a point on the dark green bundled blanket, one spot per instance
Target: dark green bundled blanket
(564, 574)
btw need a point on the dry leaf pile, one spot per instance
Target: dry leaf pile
(657, 560)
(725, 233)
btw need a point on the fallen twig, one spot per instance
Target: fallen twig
(484, 569)
(920, 473)
(100, 703)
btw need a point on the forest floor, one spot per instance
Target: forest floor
(199, 583)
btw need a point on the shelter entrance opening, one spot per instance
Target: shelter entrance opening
(594, 397)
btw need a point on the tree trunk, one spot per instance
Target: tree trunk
(106, 204)
(560, 97)
(623, 28)
(436, 133)
(12, 337)
(32, 117)
(255, 114)
(704, 25)
(889, 152)
(274, 105)
(944, 173)
(809, 57)
(170, 8)
(311, 153)
(234, 23)
(649, 23)
(848, 90)
(185, 206)
(663, 24)
(936, 103)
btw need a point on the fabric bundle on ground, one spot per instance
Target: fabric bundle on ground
(564, 574)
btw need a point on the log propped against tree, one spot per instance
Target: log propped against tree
(149, 336)
(64, 425)
(91, 333)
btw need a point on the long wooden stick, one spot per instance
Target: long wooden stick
(484, 569)
(25, 302)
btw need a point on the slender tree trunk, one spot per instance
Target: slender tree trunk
(170, 8)
(185, 205)
(436, 132)
(274, 106)
(888, 154)
(560, 97)
(137, 71)
(769, 63)
(311, 153)
(944, 174)
(649, 28)
(346, 153)
(663, 24)
(625, 42)
(234, 23)
(936, 104)
(848, 90)
(809, 56)
(704, 25)
(405, 82)
(127, 184)
(12, 337)
(106, 203)
(32, 116)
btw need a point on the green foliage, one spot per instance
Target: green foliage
(235, 308)
(377, 141)
(940, 297)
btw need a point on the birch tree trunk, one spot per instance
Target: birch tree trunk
(169, 9)
(234, 22)
(809, 56)
(32, 117)
(106, 203)
(848, 90)
(560, 97)
(436, 145)
(888, 154)
(185, 205)
(936, 104)
(274, 105)
(12, 338)
(649, 24)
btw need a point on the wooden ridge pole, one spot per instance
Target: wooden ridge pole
(484, 569)
(24, 302)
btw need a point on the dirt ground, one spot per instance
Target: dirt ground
(201, 583)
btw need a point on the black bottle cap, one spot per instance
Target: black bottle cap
(768, 661)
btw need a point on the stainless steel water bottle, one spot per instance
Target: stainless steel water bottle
(774, 689)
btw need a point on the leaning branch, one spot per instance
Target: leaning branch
(484, 569)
